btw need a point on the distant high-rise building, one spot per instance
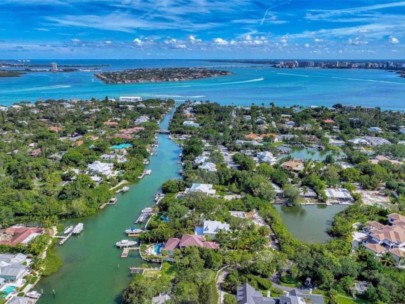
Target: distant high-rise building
(54, 67)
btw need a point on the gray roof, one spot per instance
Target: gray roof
(21, 300)
(161, 299)
(246, 294)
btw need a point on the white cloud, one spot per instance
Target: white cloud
(220, 41)
(394, 40)
(138, 42)
(75, 40)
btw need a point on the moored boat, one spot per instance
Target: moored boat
(68, 230)
(133, 230)
(125, 243)
(78, 228)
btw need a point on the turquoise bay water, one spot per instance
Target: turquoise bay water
(248, 84)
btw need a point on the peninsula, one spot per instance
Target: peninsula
(158, 75)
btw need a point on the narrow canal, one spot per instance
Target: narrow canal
(92, 270)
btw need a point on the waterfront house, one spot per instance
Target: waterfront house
(201, 188)
(141, 119)
(189, 123)
(211, 228)
(308, 193)
(246, 294)
(358, 239)
(161, 299)
(339, 195)
(171, 245)
(210, 167)
(101, 168)
(293, 165)
(22, 300)
(188, 240)
(13, 266)
(376, 249)
(266, 157)
(200, 159)
(15, 235)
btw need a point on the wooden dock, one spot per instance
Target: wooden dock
(63, 239)
(134, 234)
(126, 250)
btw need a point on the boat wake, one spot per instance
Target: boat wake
(290, 74)
(243, 81)
(55, 87)
(368, 80)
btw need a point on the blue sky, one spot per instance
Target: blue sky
(202, 29)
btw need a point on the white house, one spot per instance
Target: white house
(210, 167)
(200, 159)
(339, 195)
(211, 228)
(141, 119)
(189, 123)
(266, 157)
(101, 168)
(13, 267)
(130, 98)
(201, 188)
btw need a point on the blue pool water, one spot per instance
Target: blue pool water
(8, 290)
(121, 146)
(158, 248)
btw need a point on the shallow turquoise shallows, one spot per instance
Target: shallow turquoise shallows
(93, 271)
(309, 223)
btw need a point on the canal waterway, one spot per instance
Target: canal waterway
(309, 223)
(92, 270)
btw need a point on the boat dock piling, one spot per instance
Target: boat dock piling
(63, 239)
(126, 250)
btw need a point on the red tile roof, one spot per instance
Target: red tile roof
(172, 244)
(19, 234)
(188, 240)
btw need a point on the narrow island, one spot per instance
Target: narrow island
(158, 75)
(10, 74)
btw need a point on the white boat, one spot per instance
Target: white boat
(113, 201)
(125, 189)
(68, 230)
(125, 243)
(78, 228)
(34, 294)
(133, 230)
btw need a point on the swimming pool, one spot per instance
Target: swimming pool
(121, 146)
(8, 290)
(158, 248)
